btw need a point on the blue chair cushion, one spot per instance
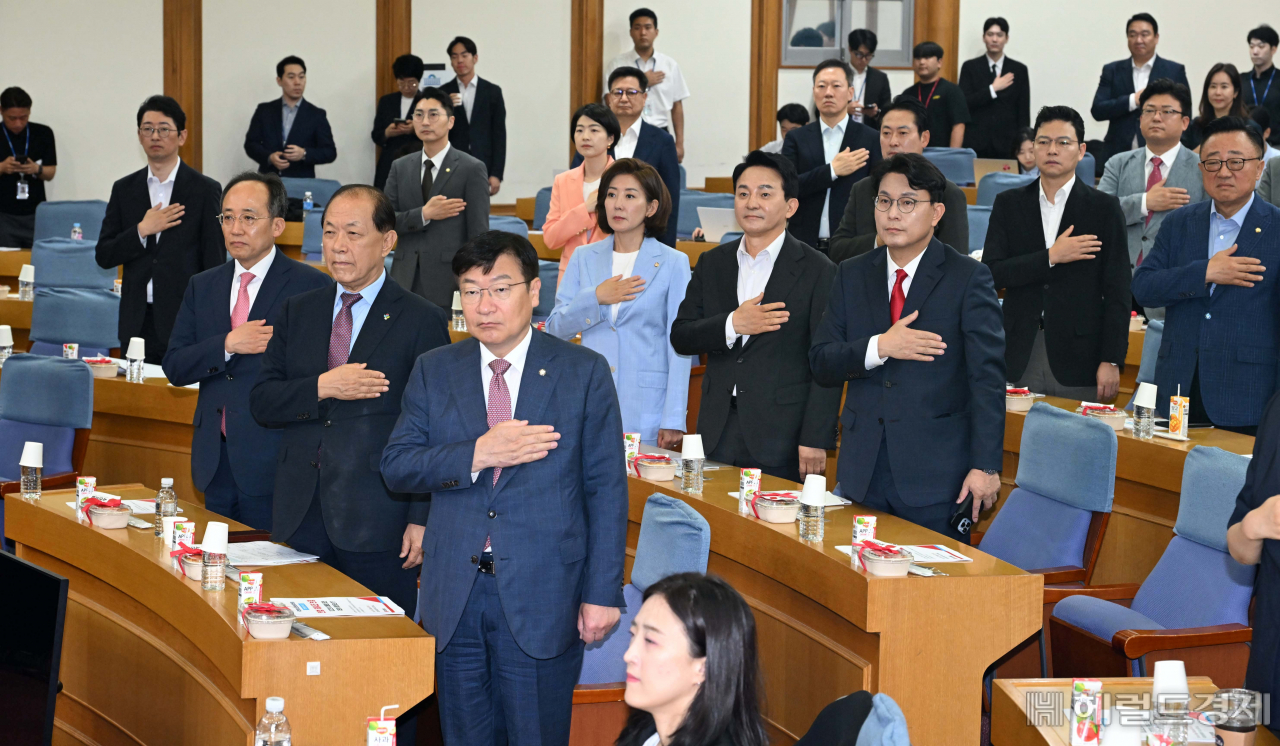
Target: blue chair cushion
(54, 349)
(674, 538)
(1035, 532)
(955, 163)
(1211, 480)
(999, 181)
(1101, 618)
(549, 273)
(83, 315)
(1087, 169)
(312, 233)
(510, 224)
(1195, 586)
(541, 206)
(55, 219)
(321, 189)
(979, 218)
(67, 263)
(602, 661)
(47, 391)
(1069, 458)
(1150, 351)
(885, 724)
(57, 440)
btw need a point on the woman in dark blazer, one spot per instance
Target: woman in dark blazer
(692, 671)
(396, 139)
(1220, 98)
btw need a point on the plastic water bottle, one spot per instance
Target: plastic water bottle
(273, 728)
(76, 233)
(166, 504)
(1144, 422)
(31, 482)
(136, 373)
(811, 522)
(307, 203)
(691, 479)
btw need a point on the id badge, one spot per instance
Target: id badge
(24, 189)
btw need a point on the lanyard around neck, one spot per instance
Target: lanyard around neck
(27, 150)
(931, 92)
(1253, 84)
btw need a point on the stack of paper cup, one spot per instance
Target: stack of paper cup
(1169, 686)
(692, 446)
(32, 455)
(137, 348)
(815, 490)
(215, 538)
(6, 336)
(1145, 396)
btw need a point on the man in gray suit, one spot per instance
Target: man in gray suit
(441, 198)
(1158, 178)
(1269, 184)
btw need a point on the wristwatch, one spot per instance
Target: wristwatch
(991, 472)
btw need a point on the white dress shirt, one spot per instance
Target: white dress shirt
(468, 93)
(1166, 163)
(406, 103)
(359, 309)
(512, 377)
(624, 263)
(999, 70)
(625, 147)
(664, 95)
(259, 271)
(872, 360)
(1140, 77)
(1051, 214)
(160, 192)
(831, 139)
(753, 275)
(859, 90)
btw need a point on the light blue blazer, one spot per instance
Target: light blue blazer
(651, 379)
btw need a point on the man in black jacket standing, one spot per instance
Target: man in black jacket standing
(870, 86)
(1058, 249)
(479, 113)
(998, 92)
(752, 307)
(289, 135)
(161, 224)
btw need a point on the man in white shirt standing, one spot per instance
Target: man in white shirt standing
(479, 112)
(1122, 82)
(667, 89)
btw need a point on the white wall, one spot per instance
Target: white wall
(795, 86)
(524, 49)
(716, 67)
(336, 38)
(85, 83)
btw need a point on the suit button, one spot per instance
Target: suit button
(493, 514)
(1046, 287)
(213, 370)
(888, 384)
(327, 423)
(588, 322)
(1208, 315)
(612, 369)
(314, 465)
(475, 560)
(228, 376)
(739, 359)
(880, 420)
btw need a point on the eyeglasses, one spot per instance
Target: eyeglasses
(1061, 142)
(1140, 34)
(432, 115)
(1167, 111)
(864, 56)
(1214, 165)
(499, 293)
(905, 204)
(147, 130)
(248, 221)
(625, 92)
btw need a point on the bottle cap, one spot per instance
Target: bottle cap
(692, 447)
(27, 273)
(815, 490)
(1146, 396)
(457, 301)
(77, 225)
(6, 335)
(215, 538)
(166, 482)
(275, 704)
(137, 348)
(32, 454)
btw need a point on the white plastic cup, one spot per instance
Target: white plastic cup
(1146, 396)
(1169, 685)
(32, 454)
(137, 348)
(457, 301)
(692, 446)
(215, 538)
(6, 336)
(167, 528)
(27, 273)
(815, 490)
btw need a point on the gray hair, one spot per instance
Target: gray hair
(277, 196)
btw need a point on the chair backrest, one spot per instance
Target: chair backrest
(83, 315)
(44, 399)
(955, 163)
(674, 538)
(541, 206)
(55, 219)
(684, 178)
(54, 349)
(321, 189)
(1197, 557)
(549, 273)
(840, 722)
(510, 224)
(1000, 181)
(312, 232)
(885, 724)
(67, 263)
(690, 201)
(979, 217)
(1086, 169)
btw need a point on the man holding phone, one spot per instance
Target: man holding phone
(27, 160)
(870, 86)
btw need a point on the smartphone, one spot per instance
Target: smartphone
(962, 517)
(22, 158)
(399, 121)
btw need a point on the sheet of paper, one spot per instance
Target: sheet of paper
(332, 606)
(926, 553)
(265, 554)
(832, 501)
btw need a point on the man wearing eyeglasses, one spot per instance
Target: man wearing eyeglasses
(664, 106)
(1057, 248)
(161, 224)
(223, 327)
(1213, 269)
(1122, 82)
(870, 86)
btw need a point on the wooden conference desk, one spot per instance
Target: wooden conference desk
(150, 658)
(826, 629)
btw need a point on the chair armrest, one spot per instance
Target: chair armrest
(1116, 592)
(52, 482)
(1066, 574)
(1134, 643)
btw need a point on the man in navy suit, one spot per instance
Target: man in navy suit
(830, 154)
(915, 329)
(221, 331)
(1122, 82)
(1213, 268)
(627, 94)
(289, 136)
(518, 435)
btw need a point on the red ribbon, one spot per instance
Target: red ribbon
(259, 607)
(1022, 392)
(95, 502)
(1099, 408)
(771, 496)
(182, 550)
(655, 457)
(866, 544)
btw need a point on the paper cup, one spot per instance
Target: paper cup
(457, 301)
(1146, 396)
(815, 490)
(137, 348)
(6, 336)
(27, 273)
(32, 454)
(692, 446)
(215, 538)
(166, 528)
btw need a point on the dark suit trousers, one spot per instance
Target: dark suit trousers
(882, 495)
(155, 345)
(486, 683)
(732, 450)
(224, 497)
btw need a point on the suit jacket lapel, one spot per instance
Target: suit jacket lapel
(271, 286)
(381, 317)
(646, 267)
(537, 381)
(786, 270)
(446, 171)
(481, 101)
(1252, 229)
(226, 279)
(928, 272)
(876, 279)
(467, 391)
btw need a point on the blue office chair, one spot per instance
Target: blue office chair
(541, 206)
(684, 178)
(1087, 170)
(50, 401)
(312, 233)
(955, 163)
(858, 719)
(1196, 589)
(1150, 356)
(86, 316)
(510, 224)
(549, 273)
(674, 538)
(321, 189)
(997, 182)
(55, 219)
(690, 201)
(979, 218)
(67, 263)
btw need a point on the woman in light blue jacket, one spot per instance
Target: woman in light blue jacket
(622, 295)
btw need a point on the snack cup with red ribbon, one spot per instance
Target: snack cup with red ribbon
(191, 561)
(775, 507)
(267, 621)
(1105, 412)
(657, 467)
(1018, 400)
(882, 559)
(106, 513)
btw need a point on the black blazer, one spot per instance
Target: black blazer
(337, 444)
(196, 354)
(804, 147)
(1085, 304)
(392, 147)
(994, 122)
(787, 407)
(485, 134)
(1111, 100)
(940, 418)
(876, 91)
(657, 147)
(857, 232)
(188, 248)
(310, 131)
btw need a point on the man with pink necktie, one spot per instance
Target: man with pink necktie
(219, 335)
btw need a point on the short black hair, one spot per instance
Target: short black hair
(835, 63)
(827, 29)
(920, 172)
(1166, 87)
(794, 113)
(1224, 125)
(1024, 134)
(408, 66)
(292, 59)
(1261, 117)
(384, 214)
(601, 115)
(906, 103)
(1061, 114)
(1146, 17)
(1266, 35)
(483, 252)
(785, 168)
(629, 72)
(926, 49)
(277, 195)
(166, 106)
(466, 43)
(995, 21)
(642, 13)
(807, 37)
(435, 94)
(862, 37)
(14, 98)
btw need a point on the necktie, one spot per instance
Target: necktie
(1152, 180)
(499, 410)
(897, 299)
(239, 315)
(994, 73)
(340, 336)
(426, 180)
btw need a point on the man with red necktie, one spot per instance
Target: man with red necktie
(914, 327)
(219, 335)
